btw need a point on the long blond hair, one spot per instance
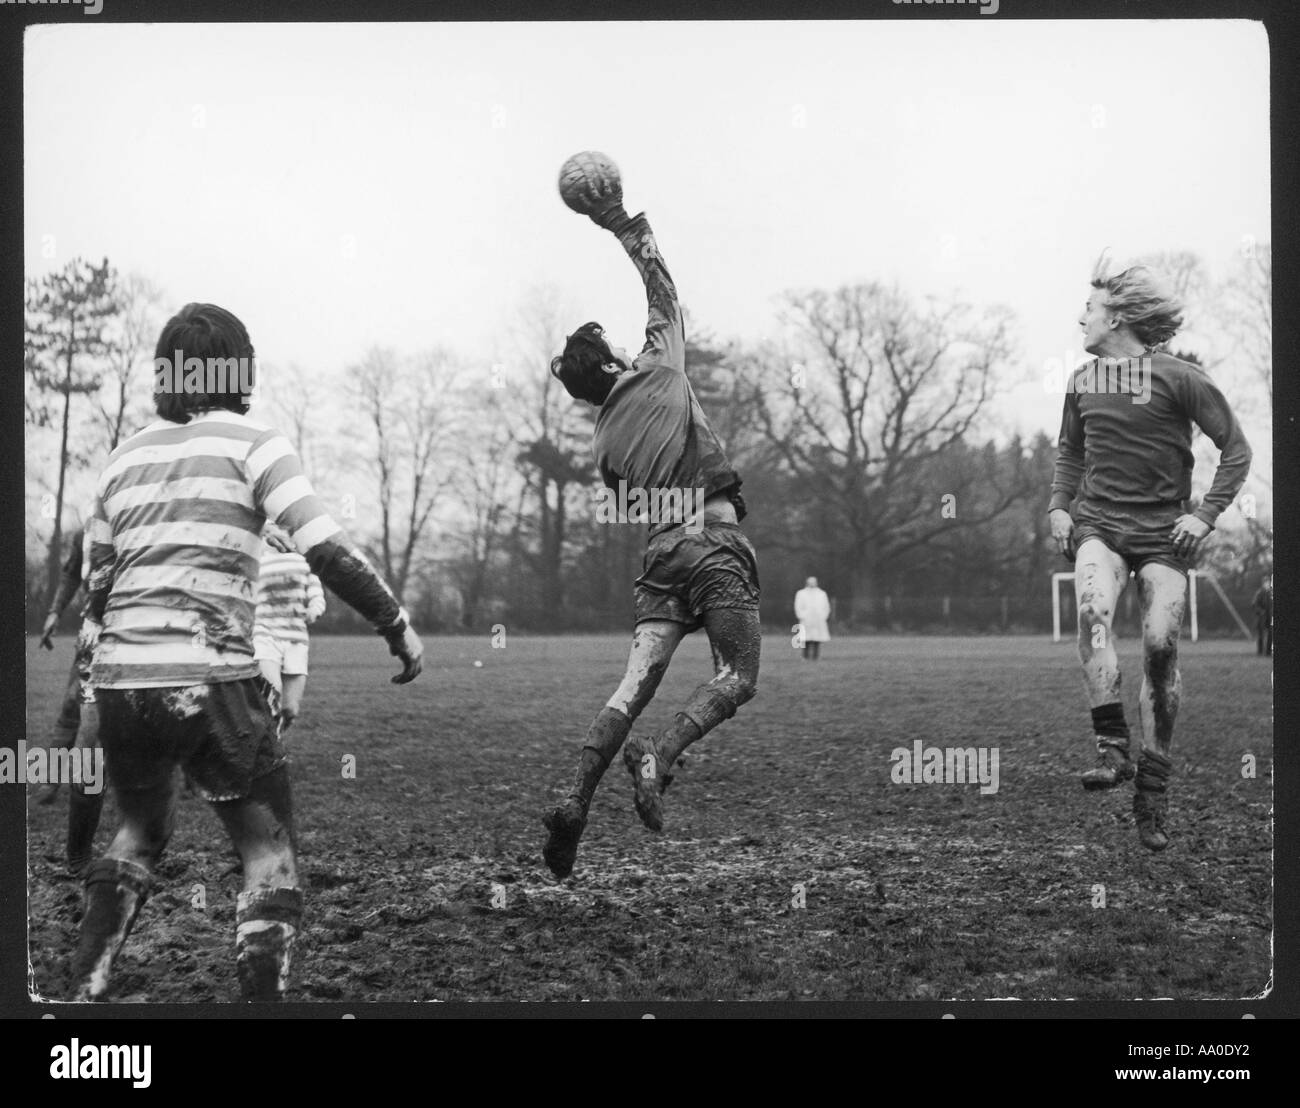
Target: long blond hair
(1140, 297)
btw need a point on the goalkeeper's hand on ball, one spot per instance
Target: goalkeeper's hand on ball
(607, 209)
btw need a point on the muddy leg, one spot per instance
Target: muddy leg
(268, 913)
(653, 644)
(295, 684)
(736, 639)
(1163, 593)
(1100, 576)
(84, 807)
(118, 884)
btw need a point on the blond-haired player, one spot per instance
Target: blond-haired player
(1119, 505)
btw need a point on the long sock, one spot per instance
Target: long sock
(684, 731)
(1153, 771)
(115, 892)
(1110, 727)
(83, 820)
(266, 922)
(711, 704)
(604, 737)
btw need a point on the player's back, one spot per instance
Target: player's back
(182, 509)
(652, 433)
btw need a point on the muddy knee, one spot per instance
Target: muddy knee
(1093, 615)
(1094, 628)
(1161, 663)
(744, 688)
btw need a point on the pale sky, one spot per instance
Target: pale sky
(343, 185)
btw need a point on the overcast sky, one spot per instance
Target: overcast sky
(342, 185)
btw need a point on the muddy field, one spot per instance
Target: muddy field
(791, 867)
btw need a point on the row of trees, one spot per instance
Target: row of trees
(868, 437)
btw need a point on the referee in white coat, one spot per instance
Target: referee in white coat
(812, 608)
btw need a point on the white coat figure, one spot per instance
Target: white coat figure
(812, 608)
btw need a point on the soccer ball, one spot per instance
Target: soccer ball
(588, 178)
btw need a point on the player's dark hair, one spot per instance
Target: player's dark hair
(213, 335)
(580, 369)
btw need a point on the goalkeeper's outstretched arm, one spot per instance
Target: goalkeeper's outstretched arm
(665, 331)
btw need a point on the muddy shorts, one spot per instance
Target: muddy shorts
(1137, 534)
(224, 736)
(686, 575)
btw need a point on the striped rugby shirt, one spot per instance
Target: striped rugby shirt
(175, 545)
(288, 596)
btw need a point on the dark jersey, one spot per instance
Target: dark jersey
(70, 577)
(1126, 436)
(651, 432)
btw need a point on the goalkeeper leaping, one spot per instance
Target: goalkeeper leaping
(1125, 452)
(651, 434)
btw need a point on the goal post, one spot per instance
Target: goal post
(1193, 579)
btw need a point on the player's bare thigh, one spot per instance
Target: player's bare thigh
(270, 671)
(653, 644)
(1100, 577)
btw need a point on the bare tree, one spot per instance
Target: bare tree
(553, 432)
(293, 396)
(68, 317)
(485, 475)
(407, 409)
(121, 406)
(1246, 313)
(863, 423)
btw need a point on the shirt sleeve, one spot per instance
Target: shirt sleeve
(1069, 456)
(1208, 408)
(665, 334)
(315, 598)
(283, 492)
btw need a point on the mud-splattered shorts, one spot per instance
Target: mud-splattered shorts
(224, 736)
(685, 575)
(1138, 535)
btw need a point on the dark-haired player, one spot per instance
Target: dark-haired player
(174, 547)
(651, 434)
(71, 578)
(77, 723)
(1125, 451)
